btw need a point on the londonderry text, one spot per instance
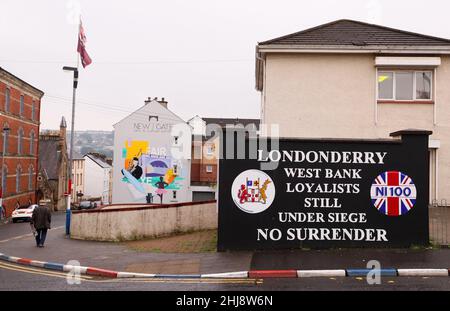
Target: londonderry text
(345, 157)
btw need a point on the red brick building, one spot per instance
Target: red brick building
(20, 105)
(205, 157)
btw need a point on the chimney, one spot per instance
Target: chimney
(163, 102)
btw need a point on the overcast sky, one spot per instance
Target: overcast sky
(198, 54)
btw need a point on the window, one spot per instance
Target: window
(33, 110)
(4, 176)
(30, 177)
(174, 194)
(22, 100)
(32, 143)
(423, 84)
(175, 140)
(7, 99)
(175, 169)
(209, 168)
(5, 136)
(405, 85)
(18, 173)
(19, 141)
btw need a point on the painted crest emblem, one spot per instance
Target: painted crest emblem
(253, 191)
(393, 193)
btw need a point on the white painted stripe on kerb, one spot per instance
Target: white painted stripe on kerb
(134, 275)
(39, 264)
(71, 268)
(320, 273)
(422, 272)
(13, 259)
(226, 275)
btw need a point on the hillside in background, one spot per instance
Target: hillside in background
(93, 141)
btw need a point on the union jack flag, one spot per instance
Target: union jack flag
(393, 193)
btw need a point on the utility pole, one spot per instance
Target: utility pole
(72, 135)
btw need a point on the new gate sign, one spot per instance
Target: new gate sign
(325, 193)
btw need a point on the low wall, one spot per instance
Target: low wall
(133, 222)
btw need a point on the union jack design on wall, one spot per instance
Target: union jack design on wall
(393, 193)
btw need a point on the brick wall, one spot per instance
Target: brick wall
(27, 124)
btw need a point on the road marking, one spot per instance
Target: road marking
(31, 270)
(27, 235)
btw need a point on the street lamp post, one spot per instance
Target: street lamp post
(5, 130)
(69, 167)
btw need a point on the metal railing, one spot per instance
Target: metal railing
(439, 213)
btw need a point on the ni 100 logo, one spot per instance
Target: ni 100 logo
(393, 193)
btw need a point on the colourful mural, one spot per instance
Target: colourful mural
(148, 175)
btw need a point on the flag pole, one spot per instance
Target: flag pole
(72, 135)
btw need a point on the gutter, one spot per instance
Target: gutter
(282, 48)
(261, 50)
(259, 68)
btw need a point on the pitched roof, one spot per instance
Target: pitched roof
(41, 93)
(77, 156)
(98, 161)
(49, 157)
(356, 33)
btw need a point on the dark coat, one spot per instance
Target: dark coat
(137, 172)
(41, 218)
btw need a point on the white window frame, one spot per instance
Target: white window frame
(394, 81)
(209, 170)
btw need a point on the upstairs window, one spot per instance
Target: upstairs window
(5, 136)
(7, 99)
(33, 110)
(20, 141)
(403, 85)
(32, 143)
(22, 104)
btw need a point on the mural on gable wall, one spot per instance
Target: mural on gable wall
(148, 172)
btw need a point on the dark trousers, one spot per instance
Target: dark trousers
(41, 234)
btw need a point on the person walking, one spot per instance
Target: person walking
(41, 220)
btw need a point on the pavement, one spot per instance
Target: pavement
(16, 240)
